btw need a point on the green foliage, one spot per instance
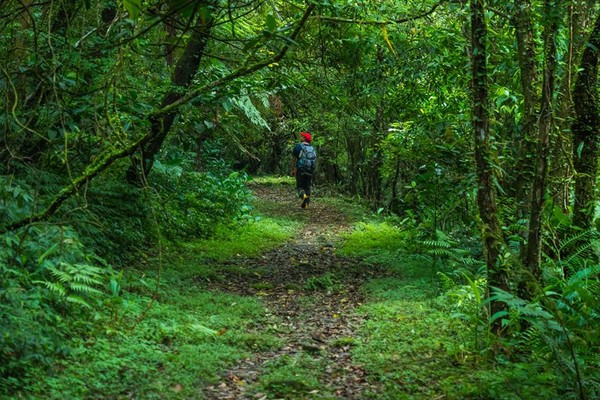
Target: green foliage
(165, 341)
(192, 205)
(118, 222)
(51, 289)
(420, 344)
(442, 248)
(251, 239)
(562, 328)
(372, 238)
(465, 298)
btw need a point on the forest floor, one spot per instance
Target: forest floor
(331, 302)
(313, 294)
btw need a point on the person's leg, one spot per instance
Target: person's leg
(306, 183)
(299, 185)
(307, 186)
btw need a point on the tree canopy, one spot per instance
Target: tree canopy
(471, 124)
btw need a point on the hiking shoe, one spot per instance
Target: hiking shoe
(305, 201)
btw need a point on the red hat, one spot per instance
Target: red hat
(306, 136)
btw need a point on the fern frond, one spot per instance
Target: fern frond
(80, 288)
(90, 280)
(588, 235)
(78, 300)
(62, 276)
(55, 287)
(437, 243)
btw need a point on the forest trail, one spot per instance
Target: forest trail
(311, 295)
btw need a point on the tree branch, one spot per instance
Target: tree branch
(101, 164)
(107, 159)
(242, 71)
(379, 23)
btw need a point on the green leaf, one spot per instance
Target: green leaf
(497, 315)
(47, 253)
(78, 300)
(133, 8)
(115, 288)
(271, 23)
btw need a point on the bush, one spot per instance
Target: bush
(194, 204)
(51, 290)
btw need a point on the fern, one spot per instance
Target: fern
(75, 282)
(562, 327)
(573, 252)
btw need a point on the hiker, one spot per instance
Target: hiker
(304, 160)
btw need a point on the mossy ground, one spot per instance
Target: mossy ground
(295, 305)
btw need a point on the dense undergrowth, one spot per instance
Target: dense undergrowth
(425, 337)
(113, 307)
(77, 292)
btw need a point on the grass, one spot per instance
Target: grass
(250, 240)
(411, 345)
(173, 346)
(272, 180)
(371, 238)
(171, 337)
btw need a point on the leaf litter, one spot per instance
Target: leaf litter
(312, 296)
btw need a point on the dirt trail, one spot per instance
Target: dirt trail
(313, 292)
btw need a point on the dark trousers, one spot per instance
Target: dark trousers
(303, 182)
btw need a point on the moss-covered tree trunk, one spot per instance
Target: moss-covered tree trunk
(585, 132)
(486, 196)
(538, 192)
(524, 143)
(185, 70)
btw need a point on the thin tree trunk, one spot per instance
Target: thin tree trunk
(580, 16)
(534, 241)
(486, 197)
(585, 132)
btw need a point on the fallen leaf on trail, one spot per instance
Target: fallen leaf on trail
(177, 388)
(307, 322)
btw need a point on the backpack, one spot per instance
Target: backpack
(307, 160)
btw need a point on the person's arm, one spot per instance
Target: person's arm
(293, 165)
(295, 155)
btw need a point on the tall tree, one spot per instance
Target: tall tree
(586, 132)
(185, 70)
(526, 56)
(486, 196)
(538, 192)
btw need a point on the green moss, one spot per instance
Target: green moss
(246, 241)
(371, 238)
(272, 180)
(291, 377)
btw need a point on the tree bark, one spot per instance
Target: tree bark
(585, 132)
(538, 192)
(526, 55)
(185, 70)
(486, 197)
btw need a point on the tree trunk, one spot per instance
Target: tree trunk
(486, 197)
(526, 55)
(534, 241)
(185, 70)
(585, 132)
